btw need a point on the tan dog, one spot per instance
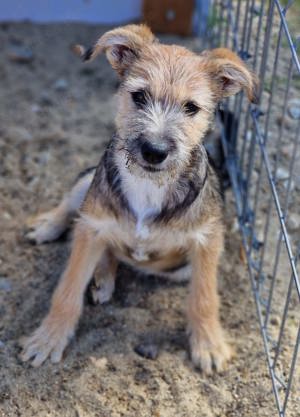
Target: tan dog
(153, 200)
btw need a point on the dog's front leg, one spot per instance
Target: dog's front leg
(51, 338)
(208, 347)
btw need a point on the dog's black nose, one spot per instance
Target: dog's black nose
(154, 153)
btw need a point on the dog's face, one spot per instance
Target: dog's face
(167, 95)
(165, 106)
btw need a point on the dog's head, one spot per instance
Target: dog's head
(167, 95)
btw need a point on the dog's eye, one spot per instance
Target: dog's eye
(191, 108)
(140, 98)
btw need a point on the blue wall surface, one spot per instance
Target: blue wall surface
(94, 11)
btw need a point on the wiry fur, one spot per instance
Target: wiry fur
(164, 219)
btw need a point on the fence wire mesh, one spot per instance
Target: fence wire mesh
(262, 157)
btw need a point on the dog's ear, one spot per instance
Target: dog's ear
(122, 46)
(230, 74)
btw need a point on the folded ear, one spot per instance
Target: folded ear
(230, 74)
(122, 46)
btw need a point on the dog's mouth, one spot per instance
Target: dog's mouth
(150, 168)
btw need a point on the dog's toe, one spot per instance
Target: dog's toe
(209, 356)
(101, 294)
(47, 341)
(44, 228)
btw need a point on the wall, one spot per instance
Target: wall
(94, 11)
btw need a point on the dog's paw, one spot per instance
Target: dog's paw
(45, 227)
(48, 341)
(103, 293)
(209, 354)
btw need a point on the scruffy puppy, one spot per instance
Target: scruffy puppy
(153, 201)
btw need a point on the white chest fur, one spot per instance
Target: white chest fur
(145, 198)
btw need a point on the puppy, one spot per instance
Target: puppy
(153, 201)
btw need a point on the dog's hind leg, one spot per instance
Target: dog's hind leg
(49, 226)
(103, 285)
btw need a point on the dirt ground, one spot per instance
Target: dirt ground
(56, 116)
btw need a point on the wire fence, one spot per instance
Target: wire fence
(262, 160)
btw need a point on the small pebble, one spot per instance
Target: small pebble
(249, 135)
(254, 178)
(256, 10)
(282, 174)
(5, 285)
(35, 108)
(2, 345)
(20, 54)
(294, 108)
(275, 321)
(287, 150)
(6, 215)
(293, 221)
(284, 121)
(260, 235)
(19, 133)
(61, 84)
(148, 351)
(45, 99)
(87, 71)
(99, 363)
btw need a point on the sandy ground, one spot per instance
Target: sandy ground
(55, 117)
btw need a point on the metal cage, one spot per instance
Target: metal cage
(262, 160)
